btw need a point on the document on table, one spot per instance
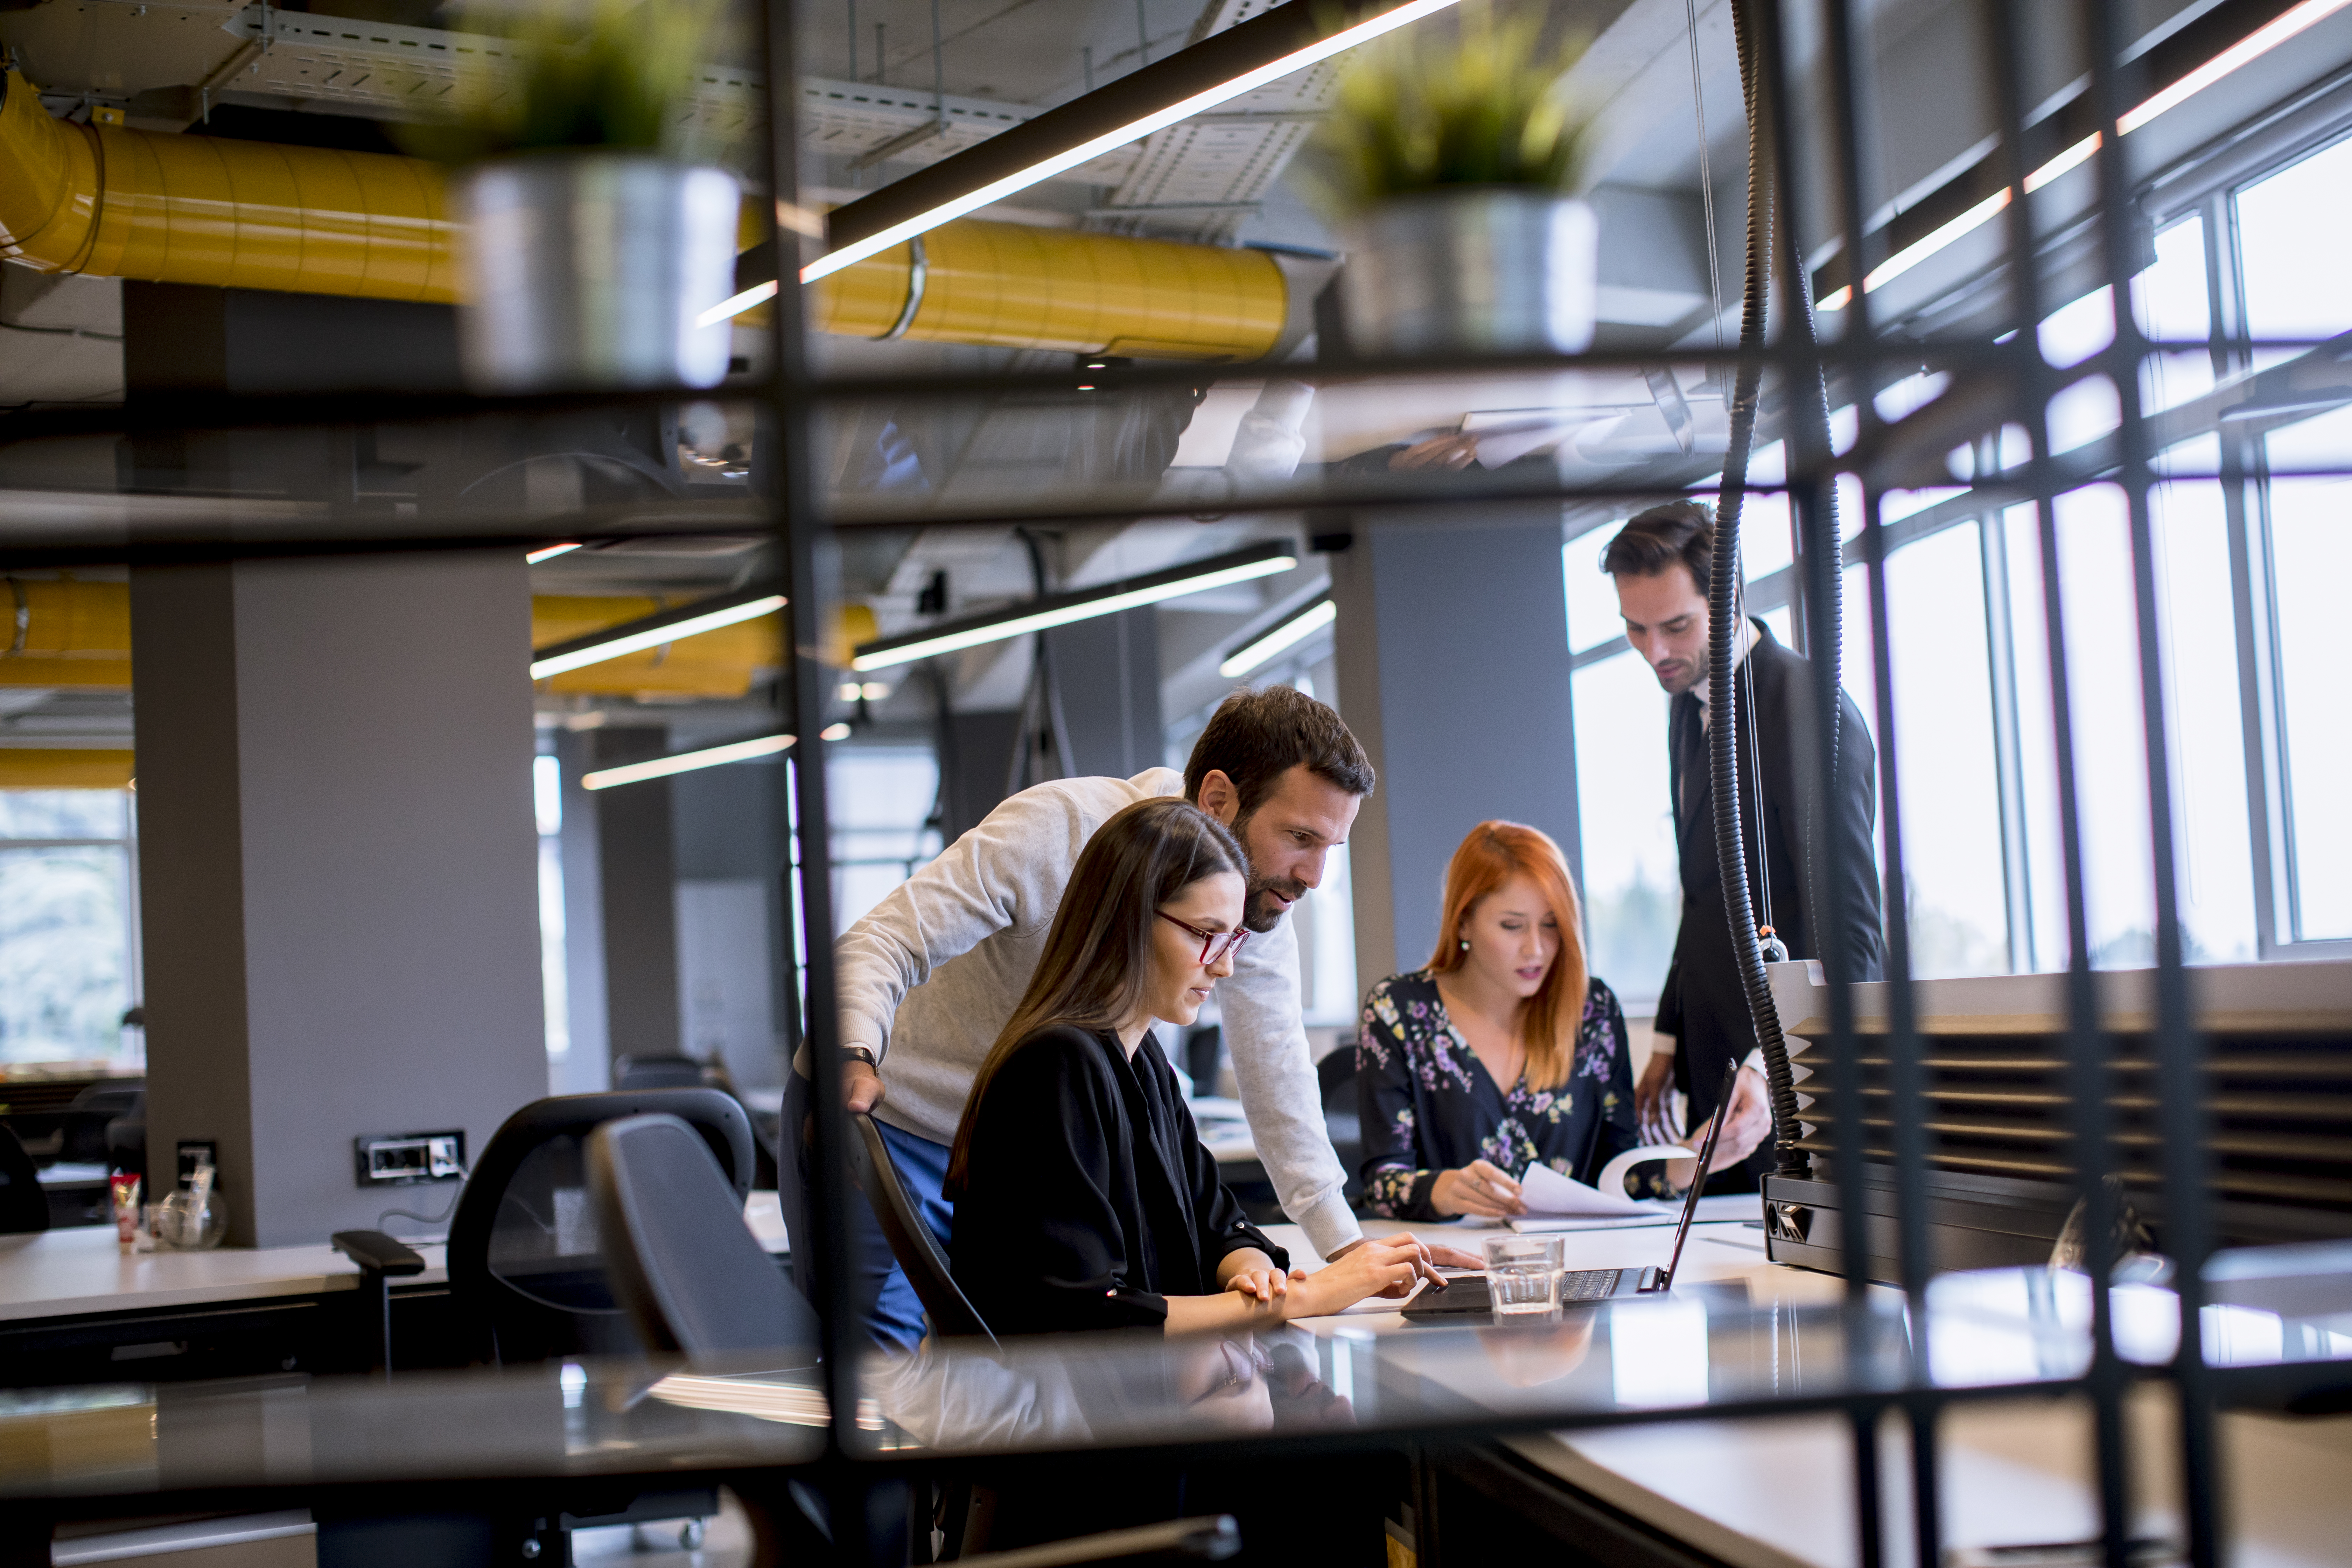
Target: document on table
(1714, 1210)
(1547, 1191)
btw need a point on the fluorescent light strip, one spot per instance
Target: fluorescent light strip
(637, 642)
(685, 762)
(1014, 625)
(548, 553)
(1290, 633)
(726, 309)
(2251, 47)
(1322, 49)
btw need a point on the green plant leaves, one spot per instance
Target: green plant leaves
(1484, 110)
(614, 78)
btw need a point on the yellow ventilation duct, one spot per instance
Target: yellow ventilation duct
(77, 634)
(1015, 286)
(31, 767)
(115, 203)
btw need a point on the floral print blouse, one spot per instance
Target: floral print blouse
(1428, 1104)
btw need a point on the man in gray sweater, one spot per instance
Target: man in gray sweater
(928, 977)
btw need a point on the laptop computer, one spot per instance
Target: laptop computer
(1467, 1297)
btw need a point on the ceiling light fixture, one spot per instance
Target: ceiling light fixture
(2253, 47)
(652, 631)
(549, 553)
(685, 762)
(735, 305)
(1268, 47)
(1061, 609)
(1304, 623)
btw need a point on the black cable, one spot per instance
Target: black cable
(1723, 621)
(441, 1218)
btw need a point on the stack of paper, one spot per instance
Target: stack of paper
(1548, 1192)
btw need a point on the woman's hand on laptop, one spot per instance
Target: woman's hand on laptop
(1367, 1268)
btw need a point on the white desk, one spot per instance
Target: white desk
(84, 1271)
(1778, 1492)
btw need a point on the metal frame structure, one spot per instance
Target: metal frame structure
(2000, 380)
(2021, 384)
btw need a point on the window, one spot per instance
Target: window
(882, 800)
(2311, 562)
(2294, 231)
(68, 938)
(1633, 885)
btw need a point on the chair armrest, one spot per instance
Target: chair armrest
(375, 1252)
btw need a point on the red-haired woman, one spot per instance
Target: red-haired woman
(1503, 1052)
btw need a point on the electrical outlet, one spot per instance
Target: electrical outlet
(406, 1159)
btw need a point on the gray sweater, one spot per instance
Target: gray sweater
(929, 976)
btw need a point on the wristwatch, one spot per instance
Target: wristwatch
(859, 1053)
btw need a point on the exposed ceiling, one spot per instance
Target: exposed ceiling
(345, 66)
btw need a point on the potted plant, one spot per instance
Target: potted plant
(595, 239)
(1448, 171)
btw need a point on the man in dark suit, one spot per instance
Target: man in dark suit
(1662, 560)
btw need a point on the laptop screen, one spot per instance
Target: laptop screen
(1698, 1178)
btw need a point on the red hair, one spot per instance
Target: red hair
(1494, 854)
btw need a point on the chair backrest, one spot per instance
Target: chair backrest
(911, 1242)
(527, 1262)
(658, 1072)
(1335, 1075)
(23, 1206)
(683, 1264)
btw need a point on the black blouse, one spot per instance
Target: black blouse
(1089, 1198)
(1427, 1103)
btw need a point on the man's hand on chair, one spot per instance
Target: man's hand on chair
(861, 1086)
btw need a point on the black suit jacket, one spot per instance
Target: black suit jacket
(1703, 1004)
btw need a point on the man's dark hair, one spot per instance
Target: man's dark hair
(1256, 737)
(1654, 540)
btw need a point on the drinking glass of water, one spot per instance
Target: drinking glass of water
(1523, 1274)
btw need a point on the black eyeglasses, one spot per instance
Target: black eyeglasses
(1215, 944)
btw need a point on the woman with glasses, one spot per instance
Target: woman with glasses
(1505, 1052)
(1083, 1196)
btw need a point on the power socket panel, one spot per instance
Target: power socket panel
(408, 1159)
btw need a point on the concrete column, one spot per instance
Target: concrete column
(1452, 645)
(734, 983)
(637, 869)
(337, 868)
(1109, 670)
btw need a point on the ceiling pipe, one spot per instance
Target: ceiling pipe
(1018, 285)
(110, 202)
(76, 634)
(116, 203)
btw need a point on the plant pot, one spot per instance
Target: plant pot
(589, 269)
(1474, 270)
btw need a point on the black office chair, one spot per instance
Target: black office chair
(698, 1284)
(93, 1113)
(1334, 1075)
(911, 1241)
(525, 1257)
(686, 1270)
(658, 1072)
(24, 1208)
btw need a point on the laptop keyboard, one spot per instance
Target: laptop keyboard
(1590, 1284)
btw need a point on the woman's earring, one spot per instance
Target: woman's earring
(1465, 945)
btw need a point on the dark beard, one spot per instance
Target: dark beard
(1262, 916)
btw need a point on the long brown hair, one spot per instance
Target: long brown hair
(1494, 854)
(1098, 953)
